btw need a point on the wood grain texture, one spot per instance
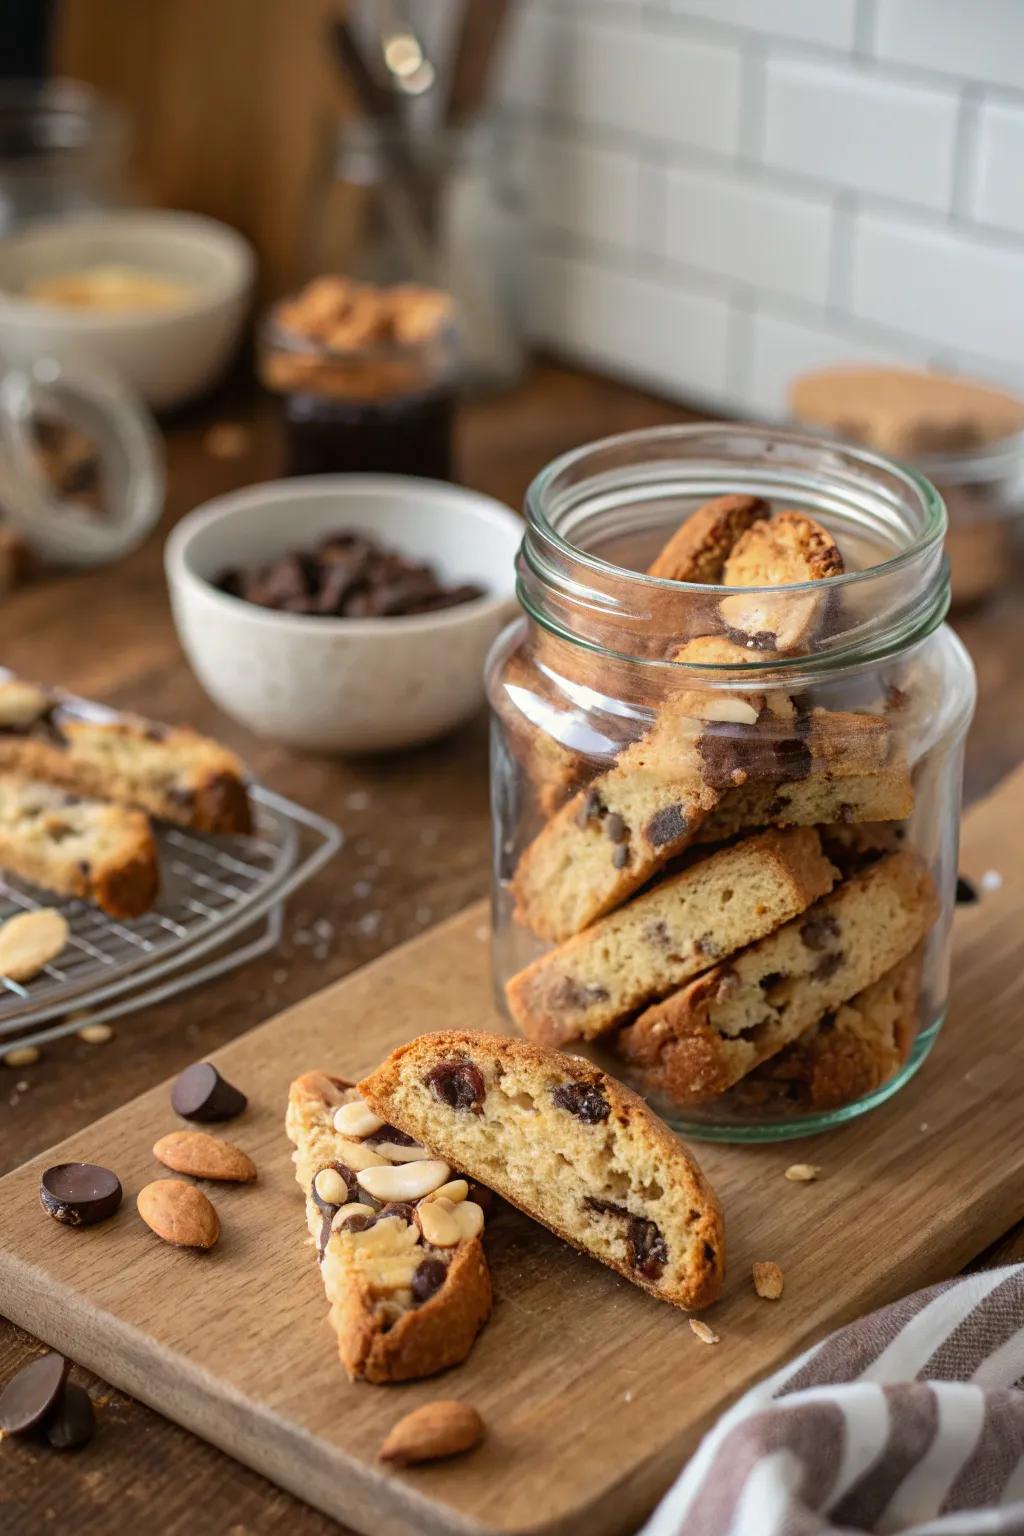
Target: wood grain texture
(416, 851)
(578, 1374)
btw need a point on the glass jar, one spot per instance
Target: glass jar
(379, 408)
(753, 984)
(438, 206)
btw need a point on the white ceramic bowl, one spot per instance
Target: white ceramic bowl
(168, 355)
(335, 684)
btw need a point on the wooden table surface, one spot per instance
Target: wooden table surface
(416, 851)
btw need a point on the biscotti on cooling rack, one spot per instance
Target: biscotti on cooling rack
(397, 1234)
(78, 847)
(568, 1145)
(173, 773)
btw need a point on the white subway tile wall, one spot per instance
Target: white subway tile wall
(727, 192)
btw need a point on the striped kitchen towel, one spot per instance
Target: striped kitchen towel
(909, 1421)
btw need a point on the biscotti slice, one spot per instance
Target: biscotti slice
(789, 549)
(700, 546)
(851, 1051)
(885, 795)
(74, 847)
(171, 772)
(669, 934)
(402, 1260)
(613, 836)
(700, 1040)
(568, 1145)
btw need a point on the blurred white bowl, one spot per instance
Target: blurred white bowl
(168, 355)
(336, 684)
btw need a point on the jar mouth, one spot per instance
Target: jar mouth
(889, 508)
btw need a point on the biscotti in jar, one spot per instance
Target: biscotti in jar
(726, 772)
(366, 377)
(966, 437)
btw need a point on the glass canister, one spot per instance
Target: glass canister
(366, 378)
(725, 816)
(63, 150)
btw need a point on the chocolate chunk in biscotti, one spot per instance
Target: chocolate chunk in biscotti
(662, 792)
(397, 1231)
(789, 549)
(572, 1148)
(702, 543)
(876, 801)
(699, 1041)
(668, 934)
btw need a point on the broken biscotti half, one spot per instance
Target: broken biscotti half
(668, 934)
(701, 1040)
(788, 549)
(850, 1052)
(568, 1145)
(75, 847)
(397, 1236)
(173, 773)
(613, 836)
(701, 545)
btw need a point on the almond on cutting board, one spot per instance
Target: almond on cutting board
(30, 941)
(431, 1432)
(204, 1157)
(179, 1213)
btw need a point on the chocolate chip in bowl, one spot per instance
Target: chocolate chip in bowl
(347, 576)
(344, 613)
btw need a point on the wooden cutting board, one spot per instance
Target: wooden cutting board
(592, 1392)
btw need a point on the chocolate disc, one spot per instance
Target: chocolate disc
(200, 1093)
(31, 1396)
(79, 1194)
(73, 1422)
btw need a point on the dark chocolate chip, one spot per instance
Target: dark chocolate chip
(666, 826)
(648, 1252)
(827, 966)
(604, 1207)
(79, 1194)
(428, 1278)
(771, 980)
(73, 1422)
(590, 806)
(584, 1100)
(966, 893)
(616, 828)
(754, 640)
(732, 754)
(200, 1093)
(398, 1208)
(459, 1084)
(816, 931)
(31, 1395)
(620, 857)
(567, 992)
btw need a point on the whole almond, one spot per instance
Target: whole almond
(437, 1429)
(204, 1157)
(30, 941)
(179, 1213)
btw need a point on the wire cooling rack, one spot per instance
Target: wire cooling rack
(215, 891)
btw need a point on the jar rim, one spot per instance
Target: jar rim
(933, 532)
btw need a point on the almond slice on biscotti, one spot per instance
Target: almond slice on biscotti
(784, 551)
(698, 1042)
(700, 546)
(397, 1235)
(568, 1145)
(669, 934)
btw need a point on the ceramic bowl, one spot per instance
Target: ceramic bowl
(335, 684)
(167, 355)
